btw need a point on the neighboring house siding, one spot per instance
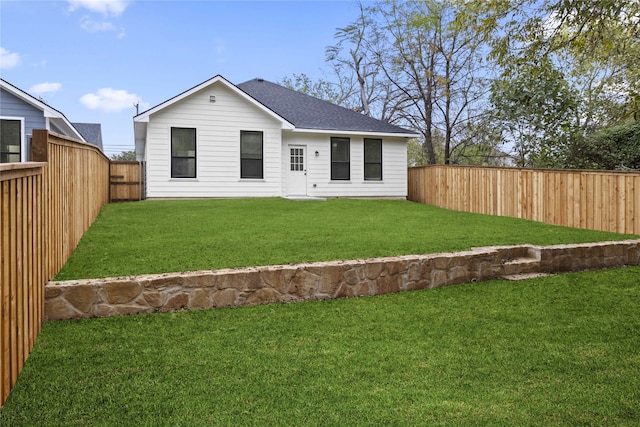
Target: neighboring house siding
(218, 125)
(12, 106)
(394, 164)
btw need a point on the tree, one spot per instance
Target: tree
(595, 43)
(414, 64)
(435, 65)
(360, 69)
(479, 144)
(534, 110)
(124, 156)
(613, 148)
(593, 46)
(321, 88)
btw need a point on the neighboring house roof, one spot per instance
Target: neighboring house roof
(55, 117)
(308, 112)
(296, 111)
(91, 132)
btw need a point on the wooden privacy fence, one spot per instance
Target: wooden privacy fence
(595, 200)
(126, 181)
(45, 207)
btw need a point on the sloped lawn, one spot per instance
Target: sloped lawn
(560, 350)
(168, 236)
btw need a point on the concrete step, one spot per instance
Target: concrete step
(523, 265)
(524, 276)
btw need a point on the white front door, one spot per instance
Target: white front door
(297, 177)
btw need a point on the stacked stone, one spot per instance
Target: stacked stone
(322, 280)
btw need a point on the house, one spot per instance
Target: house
(91, 132)
(259, 139)
(20, 113)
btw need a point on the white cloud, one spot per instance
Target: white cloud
(45, 87)
(111, 100)
(104, 7)
(8, 59)
(91, 26)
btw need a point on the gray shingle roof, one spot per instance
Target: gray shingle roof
(91, 132)
(308, 112)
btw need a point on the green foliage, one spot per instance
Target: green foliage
(125, 156)
(534, 108)
(186, 235)
(416, 155)
(613, 148)
(322, 89)
(561, 69)
(596, 42)
(594, 46)
(559, 350)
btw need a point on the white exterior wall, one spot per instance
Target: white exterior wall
(218, 125)
(394, 166)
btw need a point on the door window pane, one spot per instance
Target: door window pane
(297, 159)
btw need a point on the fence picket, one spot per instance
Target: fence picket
(45, 207)
(596, 200)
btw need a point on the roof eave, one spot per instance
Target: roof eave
(357, 132)
(47, 111)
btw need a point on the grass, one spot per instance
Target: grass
(164, 236)
(556, 350)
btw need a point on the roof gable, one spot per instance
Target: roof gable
(91, 132)
(144, 116)
(49, 112)
(308, 112)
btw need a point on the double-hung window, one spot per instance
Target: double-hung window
(340, 159)
(183, 153)
(251, 155)
(10, 141)
(372, 159)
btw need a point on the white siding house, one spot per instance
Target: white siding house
(259, 139)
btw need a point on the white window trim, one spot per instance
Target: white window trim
(23, 139)
(197, 177)
(264, 173)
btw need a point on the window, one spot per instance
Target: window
(251, 155)
(183, 153)
(372, 159)
(10, 141)
(297, 159)
(340, 159)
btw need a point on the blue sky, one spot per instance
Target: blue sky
(92, 59)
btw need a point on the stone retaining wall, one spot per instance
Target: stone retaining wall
(322, 280)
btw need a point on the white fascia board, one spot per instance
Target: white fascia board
(355, 132)
(63, 123)
(48, 112)
(144, 116)
(18, 93)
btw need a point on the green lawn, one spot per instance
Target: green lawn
(560, 350)
(166, 236)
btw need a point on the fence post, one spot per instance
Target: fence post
(39, 141)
